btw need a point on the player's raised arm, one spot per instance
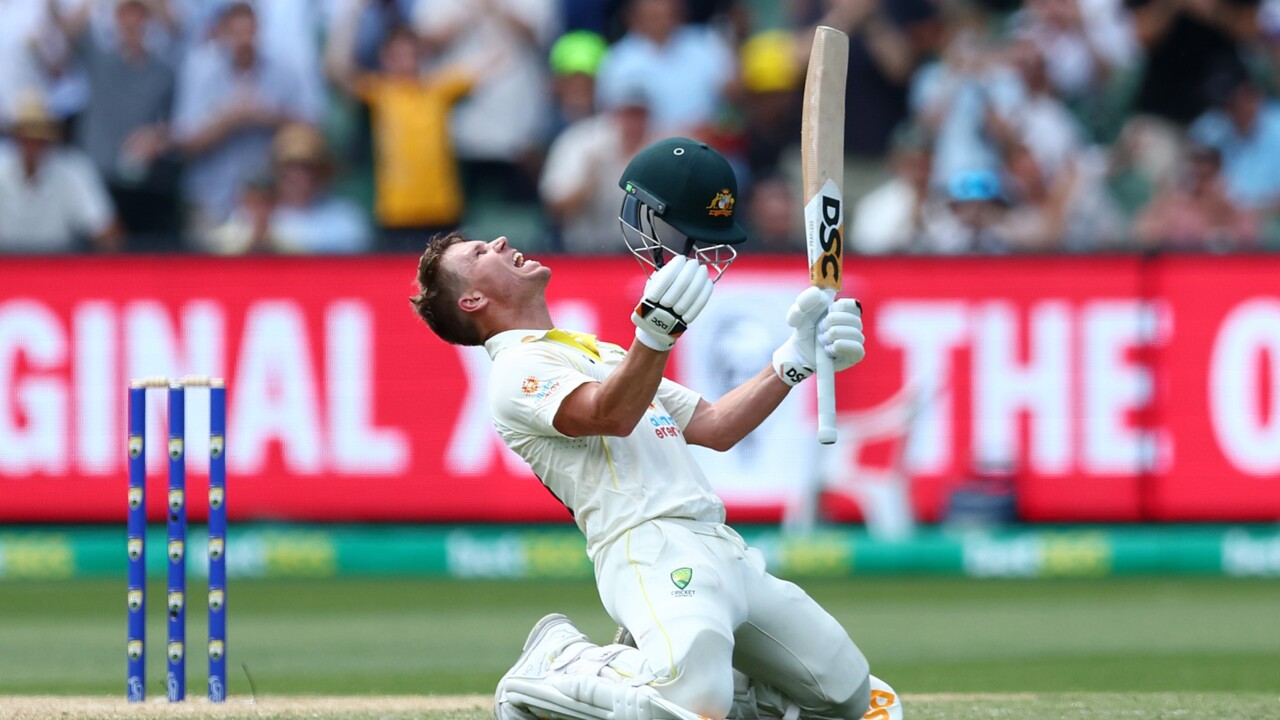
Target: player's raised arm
(720, 425)
(673, 297)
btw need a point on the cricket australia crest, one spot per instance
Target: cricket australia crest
(681, 577)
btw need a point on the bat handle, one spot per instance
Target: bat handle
(826, 376)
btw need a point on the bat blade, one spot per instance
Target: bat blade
(822, 157)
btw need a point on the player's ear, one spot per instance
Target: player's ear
(472, 300)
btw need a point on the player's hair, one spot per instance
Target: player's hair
(438, 292)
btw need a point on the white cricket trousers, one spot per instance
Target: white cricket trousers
(700, 603)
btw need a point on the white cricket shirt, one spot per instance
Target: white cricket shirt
(610, 484)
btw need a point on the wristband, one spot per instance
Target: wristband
(654, 342)
(789, 366)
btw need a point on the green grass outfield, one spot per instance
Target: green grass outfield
(1156, 647)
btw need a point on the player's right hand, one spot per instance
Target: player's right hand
(673, 297)
(815, 315)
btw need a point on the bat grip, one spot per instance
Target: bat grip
(826, 376)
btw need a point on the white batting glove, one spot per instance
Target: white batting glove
(838, 323)
(673, 297)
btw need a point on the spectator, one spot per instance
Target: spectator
(162, 36)
(50, 197)
(1245, 129)
(771, 81)
(307, 217)
(500, 131)
(374, 23)
(775, 217)
(291, 209)
(958, 97)
(892, 218)
(248, 228)
(1068, 210)
(289, 33)
(1186, 42)
(1041, 123)
(231, 99)
(575, 60)
(1194, 212)
(971, 220)
(25, 48)
(888, 41)
(1140, 158)
(125, 127)
(579, 182)
(1082, 41)
(417, 189)
(686, 70)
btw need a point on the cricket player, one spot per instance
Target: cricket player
(713, 633)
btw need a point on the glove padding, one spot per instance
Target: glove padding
(815, 314)
(673, 297)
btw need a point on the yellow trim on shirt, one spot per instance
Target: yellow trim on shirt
(608, 457)
(576, 340)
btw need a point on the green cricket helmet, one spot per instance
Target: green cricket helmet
(680, 201)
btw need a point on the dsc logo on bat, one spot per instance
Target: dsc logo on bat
(824, 228)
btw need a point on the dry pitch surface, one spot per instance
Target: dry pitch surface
(39, 707)
(302, 706)
(942, 706)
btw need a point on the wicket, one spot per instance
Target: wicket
(177, 537)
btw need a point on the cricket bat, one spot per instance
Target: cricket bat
(822, 156)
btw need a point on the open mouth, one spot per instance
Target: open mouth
(517, 259)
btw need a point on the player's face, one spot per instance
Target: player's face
(497, 269)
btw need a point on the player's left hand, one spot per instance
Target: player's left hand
(673, 298)
(815, 315)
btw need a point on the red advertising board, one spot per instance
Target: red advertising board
(1115, 388)
(1219, 395)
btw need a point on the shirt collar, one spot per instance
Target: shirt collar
(508, 338)
(578, 341)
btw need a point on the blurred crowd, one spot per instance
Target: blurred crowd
(349, 126)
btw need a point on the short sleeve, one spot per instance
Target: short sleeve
(679, 400)
(526, 387)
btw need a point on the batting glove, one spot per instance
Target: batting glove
(814, 314)
(673, 297)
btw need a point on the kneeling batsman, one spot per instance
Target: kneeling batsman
(561, 675)
(677, 219)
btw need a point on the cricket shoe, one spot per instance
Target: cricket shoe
(549, 637)
(885, 703)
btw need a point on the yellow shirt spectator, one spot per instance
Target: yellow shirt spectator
(415, 170)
